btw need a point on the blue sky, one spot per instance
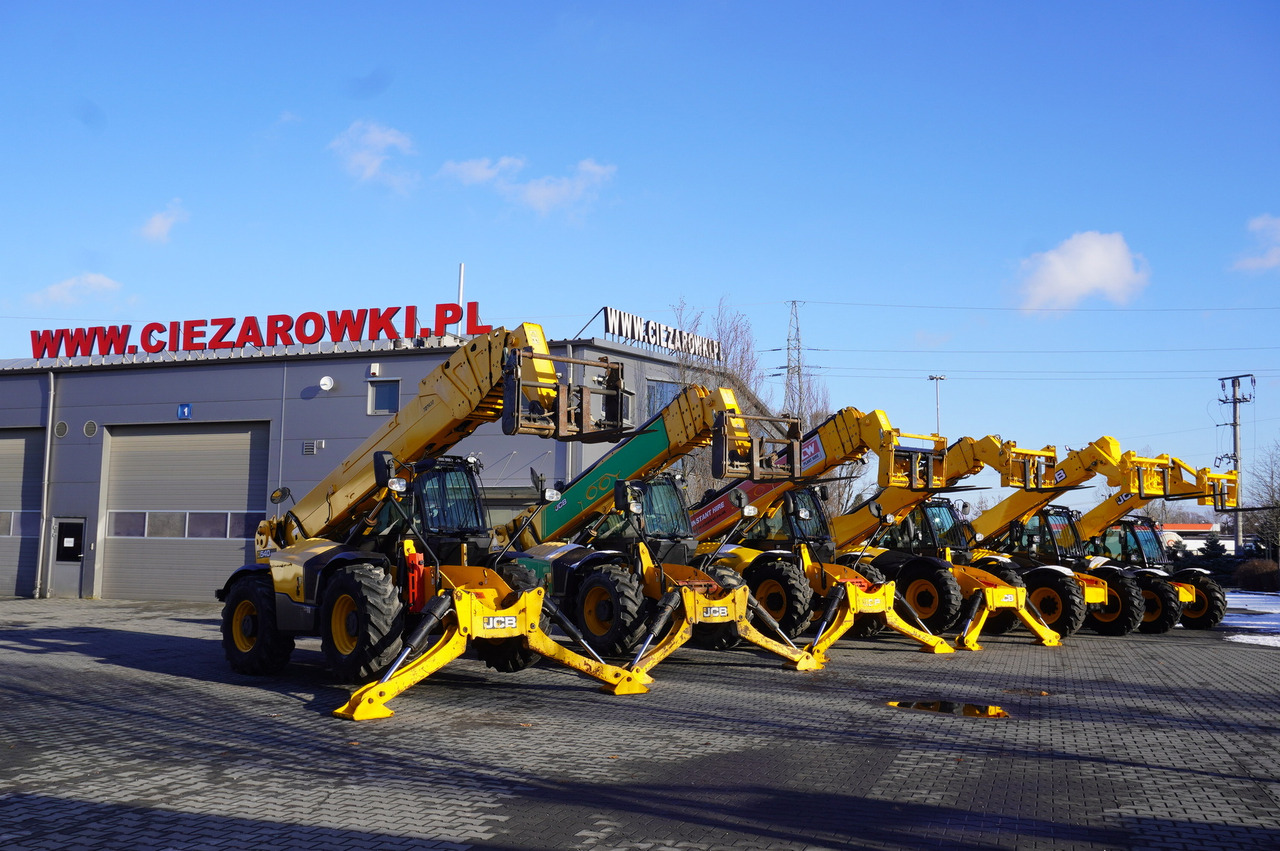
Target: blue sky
(1072, 210)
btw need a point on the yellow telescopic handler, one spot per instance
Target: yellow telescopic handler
(393, 545)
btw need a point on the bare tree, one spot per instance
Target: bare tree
(1262, 494)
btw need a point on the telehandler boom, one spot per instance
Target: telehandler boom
(380, 553)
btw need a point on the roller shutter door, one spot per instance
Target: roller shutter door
(182, 506)
(21, 474)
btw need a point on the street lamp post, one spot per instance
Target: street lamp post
(937, 399)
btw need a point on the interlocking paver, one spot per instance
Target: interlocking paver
(122, 727)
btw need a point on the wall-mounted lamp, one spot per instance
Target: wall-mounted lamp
(326, 383)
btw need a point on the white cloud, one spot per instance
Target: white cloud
(470, 172)
(542, 194)
(158, 226)
(76, 290)
(366, 149)
(1268, 230)
(1083, 265)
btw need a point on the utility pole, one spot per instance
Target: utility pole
(793, 396)
(937, 400)
(1236, 400)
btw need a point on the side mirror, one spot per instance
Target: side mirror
(280, 494)
(823, 493)
(965, 508)
(539, 480)
(627, 497)
(876, 509)
(738, 498)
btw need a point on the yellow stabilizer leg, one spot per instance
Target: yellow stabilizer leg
(863, 598)
(476, 614)
(370, 701)
(994, 593)
(696, 607)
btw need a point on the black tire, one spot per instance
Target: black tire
(932, 592)
(1210, 605)
(1163, 609)
(783, 590)
(1003, 621)
(361, 622)
(1058, 598)
(509, 655)
(250, 639)
(865, 626)
(1124, 608)
(610, 610)
(718, 636)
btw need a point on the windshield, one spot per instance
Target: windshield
(1149, 541)
(449, 501)
(815, 527)
(948, 529)
(1065, 534)
(665, 515)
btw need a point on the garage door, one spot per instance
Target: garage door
(182, 506)
(21, 474)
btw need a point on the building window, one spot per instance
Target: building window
(659, 395)
(19, 524)
(183, 524)
(384, 396)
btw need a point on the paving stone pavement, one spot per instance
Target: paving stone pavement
(121, 726)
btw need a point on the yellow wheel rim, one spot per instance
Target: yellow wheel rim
(244, 626)
(1154, 608)
(923, 597)
(341, 621)
(594, 603)
(1047, 602)
(773, 597)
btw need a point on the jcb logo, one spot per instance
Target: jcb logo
(500, 622)
(715, 611)
(873, 604)
(1123, 498)
(1059, 476)
(1008, 598)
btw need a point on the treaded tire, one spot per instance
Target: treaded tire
(1162, 606)
(610, 610)
(718, 636)
(1058, 598)
(1210, 605)
(1003, 621)
(932, 592)
(361, 622)
(508, 655)
(250, 639)
(1124, 608)
(784, 591)
(865, 626)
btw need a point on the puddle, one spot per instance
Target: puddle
(946, 707)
